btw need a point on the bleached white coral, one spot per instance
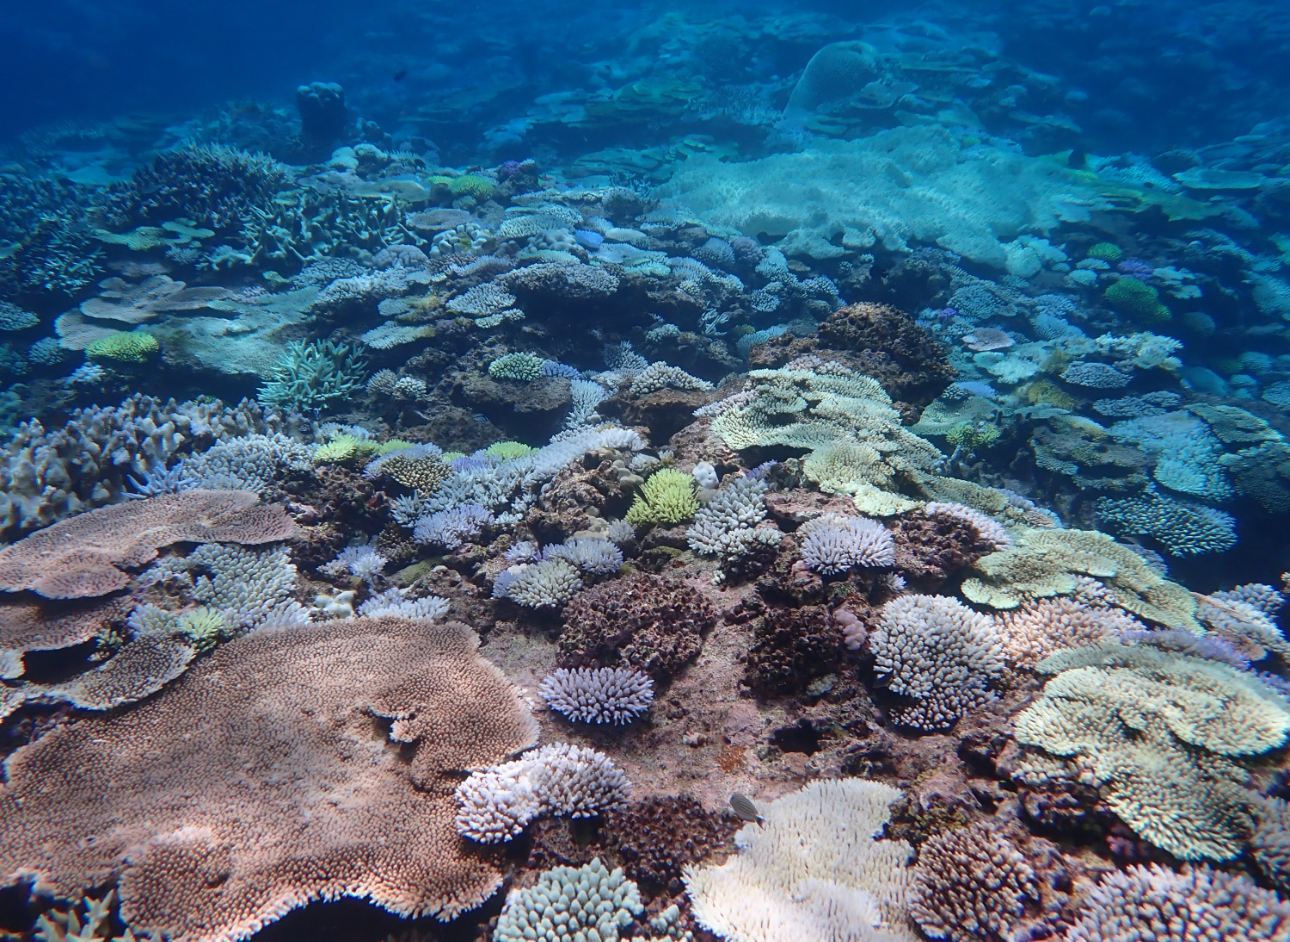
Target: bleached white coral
(988, 530)
(811, 870)
(599, 694)
(495, 804)
(394, 603)
(363, 561)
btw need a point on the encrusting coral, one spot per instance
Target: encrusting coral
(650, 623)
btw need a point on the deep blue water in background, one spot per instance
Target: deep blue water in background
(1144, 74)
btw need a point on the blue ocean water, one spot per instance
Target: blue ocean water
(513, 471)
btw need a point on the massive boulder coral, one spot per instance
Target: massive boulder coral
(651, 623)
(893, 349)
(86, 556)
(896, 187)
(299, 800)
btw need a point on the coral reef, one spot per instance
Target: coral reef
(298, 707)
(862, 431)
(649, 623)
(85, 556)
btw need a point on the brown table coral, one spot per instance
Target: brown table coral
(265, 779)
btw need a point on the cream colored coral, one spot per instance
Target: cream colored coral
(846, 422)
(1044, 563)
(1163, 733)
(812, 873)
(1041, 627)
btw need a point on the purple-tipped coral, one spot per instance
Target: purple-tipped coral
(595, 557)
(452, 528)
(834, 544)
(496, 804)
(1152, 904)
(598, 695)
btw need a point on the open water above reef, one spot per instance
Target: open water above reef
(453, 450)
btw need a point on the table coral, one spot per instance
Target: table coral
(257, 846)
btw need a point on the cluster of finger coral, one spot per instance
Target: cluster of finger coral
(971, 884)
(938, 653)
(1198, 904)
(791, 647)
(497, 803)
(547, 583)
(657, 837)
(833, 544)
(571, 903)
(598, 694)
(726, 526)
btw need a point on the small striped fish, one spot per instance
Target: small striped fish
(743, 806)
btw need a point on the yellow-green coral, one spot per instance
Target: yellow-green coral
(1138, 300)
(667, 497)
(133, 347)
(1043, 563)
(344, 447)
(507, 450)
(973, 435)
(202, 627)
(1106, 251)
(846, 422)
(1043, 392)
(472, 184)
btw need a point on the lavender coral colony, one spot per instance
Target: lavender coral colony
(776, 477)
